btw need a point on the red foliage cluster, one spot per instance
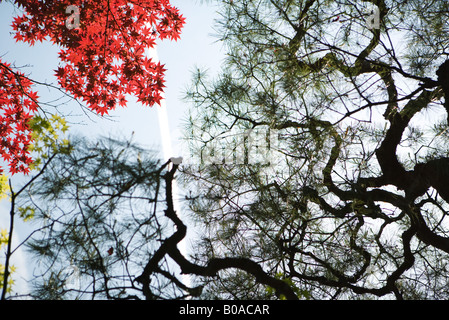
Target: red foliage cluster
(18, 104)
(102, 60)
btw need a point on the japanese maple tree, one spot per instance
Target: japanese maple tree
(102, 59)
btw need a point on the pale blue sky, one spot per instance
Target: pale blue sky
(197, 47)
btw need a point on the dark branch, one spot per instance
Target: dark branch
(169, 247)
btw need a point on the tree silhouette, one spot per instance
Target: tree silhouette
(107, 215)
(355, 202)
(351, 201)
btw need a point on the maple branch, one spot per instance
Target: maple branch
(48, 85)
(19, 81)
